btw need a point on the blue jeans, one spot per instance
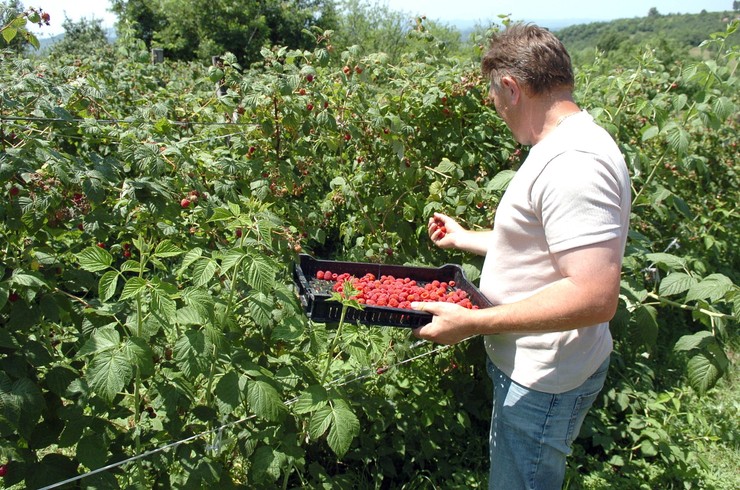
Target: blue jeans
(532, 432)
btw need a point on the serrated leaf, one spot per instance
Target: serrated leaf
(9, 32)
(694, 341)
(191, 353)
(260, 308)
(707, 367)
(166, 248)
(446, 166)
(203, 271)
(27, 279)
(264, 400)
(260, 274)
(267, 463)
(107, 285)
(92, 451)
(314, 398)
(712, 287)
(320, 422)
(649, 132)
(190, 257)
(162, 306)
(139, 354)
(671, 261)
(228, 391)
(232, 259)
(646, 320)
(94, 259)
(500, 181)
(133, 286)
(677, 137)
(676, 283)
(344, 429)
(109, 373)
(648, 449)
(131, 266)
(189, 315)
(101, 340)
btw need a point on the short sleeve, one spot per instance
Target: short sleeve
(577, 198)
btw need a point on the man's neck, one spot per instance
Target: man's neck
(543, 113)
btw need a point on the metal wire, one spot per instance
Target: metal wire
(338, 382)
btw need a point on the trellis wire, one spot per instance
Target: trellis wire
(338, 382)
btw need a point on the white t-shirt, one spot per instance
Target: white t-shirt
(572, 190)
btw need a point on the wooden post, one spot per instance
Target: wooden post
(157, 55)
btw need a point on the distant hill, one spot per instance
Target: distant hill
(686, 30)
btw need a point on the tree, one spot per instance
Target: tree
(653, 12)
(736, 5)
(81, 37)
(190, 29)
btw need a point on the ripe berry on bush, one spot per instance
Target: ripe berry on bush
(14, 191)
(3, 470)
(185, 202)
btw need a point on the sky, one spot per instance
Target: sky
(469, 10)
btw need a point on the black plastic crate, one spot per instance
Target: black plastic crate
(319, 309)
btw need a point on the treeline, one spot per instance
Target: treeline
(683, 31)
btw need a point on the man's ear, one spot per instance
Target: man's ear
(511, 88)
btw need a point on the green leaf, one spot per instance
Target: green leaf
(342, 423)
(192, 353)
(260, 273)
(676, 283)
(167, 249)
(109, 373)
(133, 286)
(707, 367)
(500, 181)
(101, 340)
(314, 398)
(228, 392)
(264, 400)
(648, 449)
(139, 354)
(646, 320)
(162, 305)
(190, 257)
(27, 279)
(649, 132)
(203, 271)
(92, 451)
(9, 33)
(698, 340)
(677, 137)
(107, 285)
(268, 462)
(446, 166)
(671, 261)
(94, 259)
(713, 287)
(260, 308)
(320, 421)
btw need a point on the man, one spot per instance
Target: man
(552, 263)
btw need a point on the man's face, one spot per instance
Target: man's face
(498, 96)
